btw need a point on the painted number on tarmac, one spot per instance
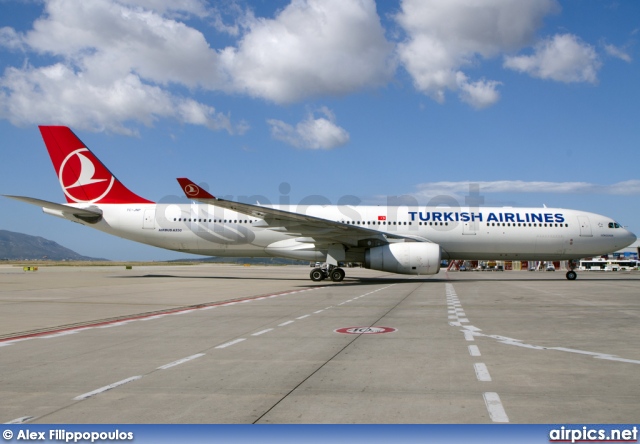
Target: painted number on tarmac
(365, 330)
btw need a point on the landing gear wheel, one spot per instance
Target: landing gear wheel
(571, 275)
(337, 274)
(317, 275)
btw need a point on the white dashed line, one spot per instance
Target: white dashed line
(180, 361)
(474, 350)
(319, 311)
(302, 317)
(482, 372)
(285, 323)
(262, 332)
(491, 399)
(105, 388)
(230, 343)
(495, 408)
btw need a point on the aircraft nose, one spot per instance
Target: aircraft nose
(629, 237)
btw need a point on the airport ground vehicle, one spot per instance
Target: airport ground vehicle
(601, 264)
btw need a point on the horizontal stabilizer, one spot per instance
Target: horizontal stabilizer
(88, 214)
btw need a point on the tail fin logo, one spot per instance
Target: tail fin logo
(78, 179)
(191, 190)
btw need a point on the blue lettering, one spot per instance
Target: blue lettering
(536, 217)
(500, 214)
(424, 218)
(508, 217)
(447, 217)
(559, 217)
(464, 217)
(474, 215)
(548, 217)
(437, 216)
(413, 214)
(492, 218)
(518, 219)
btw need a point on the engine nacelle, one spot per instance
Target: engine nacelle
(405, 258)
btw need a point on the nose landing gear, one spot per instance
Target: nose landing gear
(572, 275)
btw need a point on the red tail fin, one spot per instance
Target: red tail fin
(82, 176)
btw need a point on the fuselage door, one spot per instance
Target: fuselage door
(585, 226)
(470, 227)
(149, 221)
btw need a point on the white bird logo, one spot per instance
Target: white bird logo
(87, 171)
(191, 190)
(86, 177)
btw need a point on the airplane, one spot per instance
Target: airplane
(395, 239)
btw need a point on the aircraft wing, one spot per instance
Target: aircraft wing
(315, 227)
(66, 209)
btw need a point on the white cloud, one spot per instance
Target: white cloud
(480, 94)
(104, 48)
(116, 63)
(311, 133)
(563, 57)
(108, 40)
(311, 47)
(175, 8)
(57, 94)
(10, 39)
(618, 53)
(445, 36)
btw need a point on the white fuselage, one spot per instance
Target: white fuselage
(462, 233)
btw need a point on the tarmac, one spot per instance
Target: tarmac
(255, 344)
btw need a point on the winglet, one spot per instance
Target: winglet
(192, 190)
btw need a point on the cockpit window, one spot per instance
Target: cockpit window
(614, 225)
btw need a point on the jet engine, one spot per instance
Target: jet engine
(405, 258)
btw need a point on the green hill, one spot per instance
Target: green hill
(18, 246)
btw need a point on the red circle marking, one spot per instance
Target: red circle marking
(365, 330)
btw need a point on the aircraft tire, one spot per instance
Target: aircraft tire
(337, 275)
(572, 275)
(316, 275)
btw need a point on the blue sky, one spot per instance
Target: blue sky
(537, 101)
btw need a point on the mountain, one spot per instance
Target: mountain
(18, 246)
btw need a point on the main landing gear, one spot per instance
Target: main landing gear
(572, 275)
(336, 274)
